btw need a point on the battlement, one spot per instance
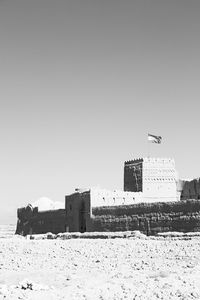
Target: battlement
(137, 160)
(150, 160)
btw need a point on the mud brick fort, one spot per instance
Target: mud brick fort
(153, 200)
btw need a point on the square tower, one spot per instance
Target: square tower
(154, 177)
(133, 170)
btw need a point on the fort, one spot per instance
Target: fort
(153, 200)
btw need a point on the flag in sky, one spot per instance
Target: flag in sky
(154, 138)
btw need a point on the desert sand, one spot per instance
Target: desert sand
(120, 268)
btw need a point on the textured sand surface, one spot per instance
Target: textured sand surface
(134, 268)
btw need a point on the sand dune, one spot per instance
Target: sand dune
(134, 268)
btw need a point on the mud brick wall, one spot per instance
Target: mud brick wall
(49, 221)
(40, 222)
(133, 175)
(149, 218)
(77, 208)
(191, 189)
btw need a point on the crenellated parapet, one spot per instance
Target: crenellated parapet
(133, 161)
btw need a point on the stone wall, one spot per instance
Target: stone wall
(149, 218)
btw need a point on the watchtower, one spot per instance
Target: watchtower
(154, 177)
(133, 171)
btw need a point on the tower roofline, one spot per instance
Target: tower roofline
(149, 159)
(133, 161)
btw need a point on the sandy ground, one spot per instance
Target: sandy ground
(129, 268)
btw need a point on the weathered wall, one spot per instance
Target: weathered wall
(77, 207)
(159, 179)
(31, 221)
(148, 218)
(154, 177)
(133, 175)
(49, 221)
(190, 189)
(102, 197)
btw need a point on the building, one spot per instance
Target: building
(155, 178)
(148, 182)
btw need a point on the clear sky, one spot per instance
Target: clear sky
(83, 82)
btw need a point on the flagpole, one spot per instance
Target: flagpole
(148, 146)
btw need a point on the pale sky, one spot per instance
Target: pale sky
(83, 82)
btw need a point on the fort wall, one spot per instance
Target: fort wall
(148, 203)
(190, 189)
(149, 218)
(78, 212)
(30, 221)
(103, 197)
